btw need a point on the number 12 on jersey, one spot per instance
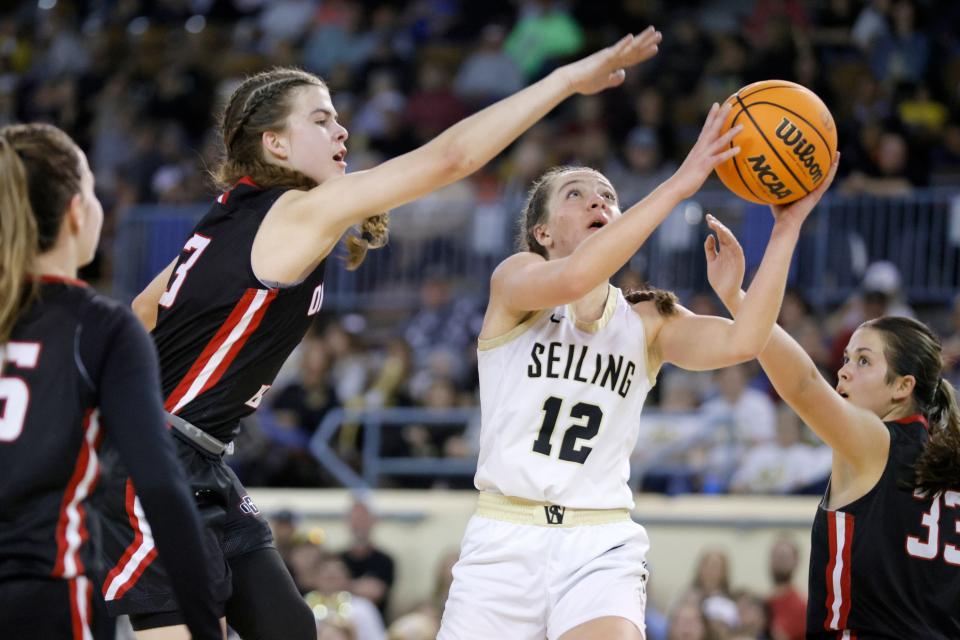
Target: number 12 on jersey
(568, 448)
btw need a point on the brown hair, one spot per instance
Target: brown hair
(666, 301)
(535, 210)
(39, 174)
(262, 103)
(911, 348)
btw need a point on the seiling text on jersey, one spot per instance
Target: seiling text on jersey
(579, 362)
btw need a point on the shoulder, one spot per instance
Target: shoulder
(516, 261)
(655, 318)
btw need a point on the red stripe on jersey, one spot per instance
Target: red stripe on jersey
(71, 530)
(137, 556)
(914, 418)
(247, 180)
(840, 537)
(221, 350)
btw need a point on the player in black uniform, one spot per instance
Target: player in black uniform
(885, 554)
(229, 310)
(74, 368)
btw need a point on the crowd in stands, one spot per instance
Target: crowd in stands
(139, 82)
(349, 590)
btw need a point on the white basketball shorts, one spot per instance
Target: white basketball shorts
(534, 581)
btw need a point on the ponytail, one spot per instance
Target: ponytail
(666, 301)
(18, 237)
(374, 234)
(40, 171)
(938, 468)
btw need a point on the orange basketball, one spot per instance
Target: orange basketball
(786, 146)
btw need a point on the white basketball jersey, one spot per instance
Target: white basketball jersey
(560, 405)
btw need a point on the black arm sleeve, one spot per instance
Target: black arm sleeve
(131, 412)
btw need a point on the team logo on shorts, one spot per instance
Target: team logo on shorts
(554, 514)
(247, 506)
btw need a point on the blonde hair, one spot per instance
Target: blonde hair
(262, 103)
(39, 174)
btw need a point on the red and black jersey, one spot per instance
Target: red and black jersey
(888, 564)
(78, 371)
(221, 333)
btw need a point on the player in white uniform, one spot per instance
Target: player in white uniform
(566, 361)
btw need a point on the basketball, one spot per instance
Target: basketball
(786, 146)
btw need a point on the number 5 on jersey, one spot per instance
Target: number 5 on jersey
(195, 247)
(14, 392)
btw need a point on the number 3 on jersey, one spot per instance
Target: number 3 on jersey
(194, 247)
(568, 449)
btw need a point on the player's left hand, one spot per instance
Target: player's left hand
(726, 264)
(796, 212)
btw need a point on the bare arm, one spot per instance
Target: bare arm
(145, 304)
(526, 282)
(857, 436)
(709, 343)
(331, 208)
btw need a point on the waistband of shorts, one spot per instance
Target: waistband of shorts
(542, 514)
(198, 437)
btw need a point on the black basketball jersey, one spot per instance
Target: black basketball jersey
(222, 334)
(888, 564)
(78, 371)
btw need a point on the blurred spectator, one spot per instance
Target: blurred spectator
(712, 574)
(544, 32)
(784, 465)
(687, 622)
(788, 609)
(488, 73)
(739, 417)
(752, 614)
(370, 568)
(722, 617)
(331, 599)
(414, 626)
(284, 525)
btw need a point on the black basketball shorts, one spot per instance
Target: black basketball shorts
(136, 581)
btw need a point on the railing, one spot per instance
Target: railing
(373, 465)
(660, 458)
(920, 234)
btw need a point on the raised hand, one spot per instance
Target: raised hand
(796, 212)
(726, 265)
(607, 68)
(711, 149)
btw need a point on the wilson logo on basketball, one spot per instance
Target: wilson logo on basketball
(766, 176)
(801, 147)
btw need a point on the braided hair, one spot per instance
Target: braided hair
(262, 103)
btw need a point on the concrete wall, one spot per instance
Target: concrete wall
(418, 527)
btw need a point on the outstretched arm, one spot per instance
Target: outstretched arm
(331, 208)
(703, 342)
(527, 282)
(857, 436)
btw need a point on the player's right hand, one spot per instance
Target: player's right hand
(607, 68)
(711, 148)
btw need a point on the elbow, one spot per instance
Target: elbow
(144, 309)
(744, 348)
(575, 283)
